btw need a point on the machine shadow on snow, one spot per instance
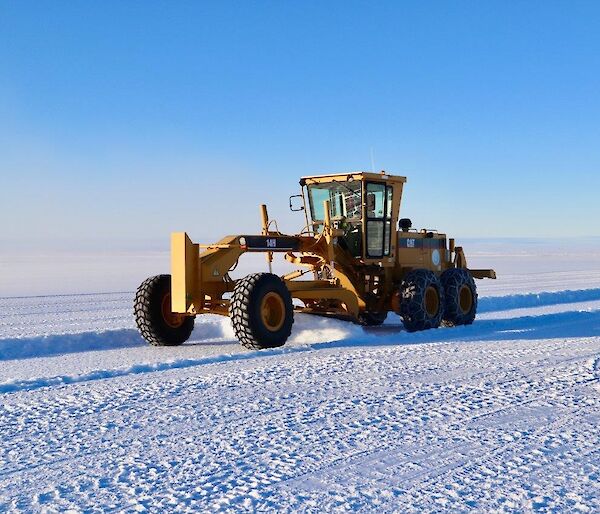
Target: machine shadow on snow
(547, 326)
(562, 325)
(203, 342)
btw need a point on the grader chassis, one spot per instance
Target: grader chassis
(360, 267)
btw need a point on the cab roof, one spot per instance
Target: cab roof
(351, 175)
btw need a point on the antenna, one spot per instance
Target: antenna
(372, 161)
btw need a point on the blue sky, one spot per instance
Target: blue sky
(123, 121)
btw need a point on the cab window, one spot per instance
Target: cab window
(345, 200)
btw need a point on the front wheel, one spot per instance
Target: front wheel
(156, 322)
(261, 311)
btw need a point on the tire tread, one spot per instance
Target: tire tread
(452, 280)
(145, 313)
(412, 299)
(240, 311)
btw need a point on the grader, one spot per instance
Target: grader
(353, 263)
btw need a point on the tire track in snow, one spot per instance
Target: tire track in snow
(39, 383)
(347, 335)
(417, 472)
(529, 327)
(522, 448)
(519, 378)
(159, 434)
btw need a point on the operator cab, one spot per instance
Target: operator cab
(363, 205)
(345, 200)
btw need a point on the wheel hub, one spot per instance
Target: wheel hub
(272, 311)
(172, 319)
(432, 301)
(465, 299)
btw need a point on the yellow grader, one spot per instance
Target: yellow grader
(356, 261)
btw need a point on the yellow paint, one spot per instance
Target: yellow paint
(345, 284)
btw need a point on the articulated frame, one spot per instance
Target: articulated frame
(343, 285)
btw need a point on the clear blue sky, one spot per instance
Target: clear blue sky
(122, 121)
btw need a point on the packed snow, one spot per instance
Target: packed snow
(499, 416)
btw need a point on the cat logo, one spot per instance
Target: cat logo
(271, 243)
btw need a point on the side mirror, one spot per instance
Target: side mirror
(295, 205)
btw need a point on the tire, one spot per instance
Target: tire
(152, 311)
(460, 297)
(372, 319)
(421, 300)
(261, 311)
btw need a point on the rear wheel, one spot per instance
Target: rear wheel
(261, 311)
(460, 297)
(421, 300)
(156, 322)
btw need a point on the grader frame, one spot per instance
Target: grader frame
(357, 261)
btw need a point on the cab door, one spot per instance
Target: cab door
(378, 220)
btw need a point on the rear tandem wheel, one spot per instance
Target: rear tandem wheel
(421, 300)
(460, 297)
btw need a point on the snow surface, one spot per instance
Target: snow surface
(500, 416)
